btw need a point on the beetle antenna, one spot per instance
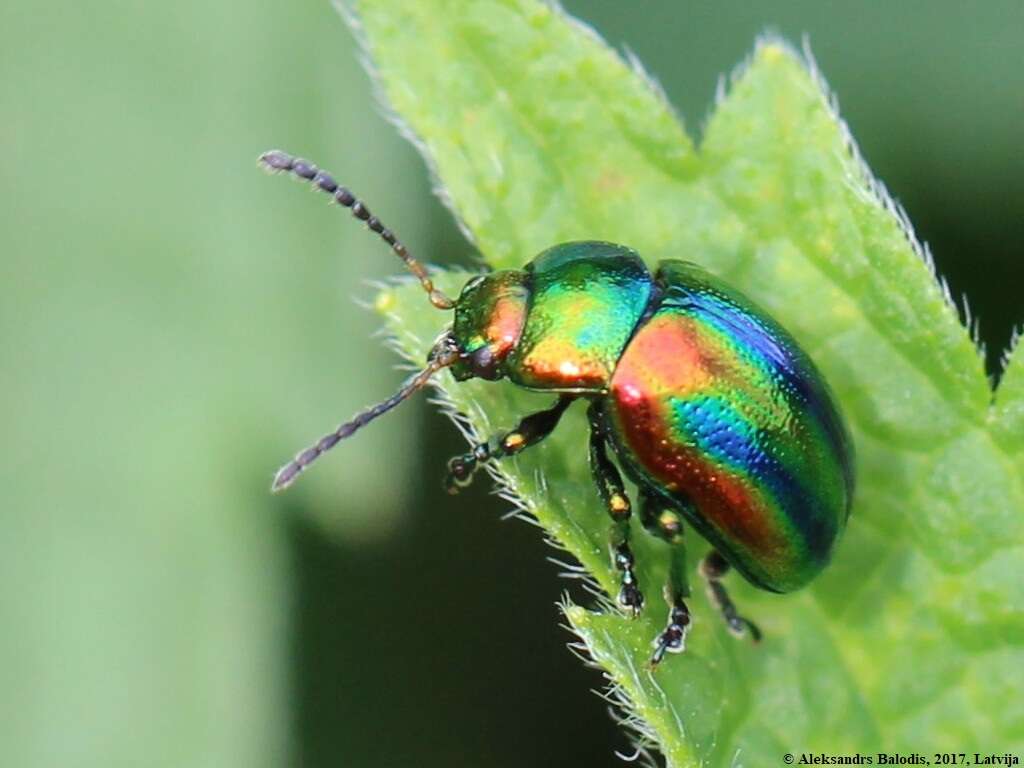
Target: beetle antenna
(290, 471)
(276, 161)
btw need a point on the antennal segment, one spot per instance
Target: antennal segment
(276, 161)
(290, 471)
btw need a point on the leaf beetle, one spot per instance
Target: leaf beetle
(710, 407)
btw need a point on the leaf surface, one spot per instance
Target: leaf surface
(539, 133)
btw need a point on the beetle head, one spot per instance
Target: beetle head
(489, 317)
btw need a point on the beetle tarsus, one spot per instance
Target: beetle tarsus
(713, 567)
(630, 597)
(673, 639)
(530, 431)
(462, 468)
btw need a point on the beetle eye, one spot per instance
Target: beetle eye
(483, 364)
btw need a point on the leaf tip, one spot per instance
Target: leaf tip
(538, 14)
(577, 615)
(384, 301)
(772, 52)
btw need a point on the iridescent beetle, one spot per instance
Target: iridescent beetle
(711, 408)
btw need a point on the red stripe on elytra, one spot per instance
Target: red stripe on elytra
(667, 358)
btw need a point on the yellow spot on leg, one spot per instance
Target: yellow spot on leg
(513, 442)
(670, 525)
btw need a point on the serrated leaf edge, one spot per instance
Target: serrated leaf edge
(623, 708)
(878, 192)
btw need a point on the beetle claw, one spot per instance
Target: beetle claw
(752, 629)
(673, 639)
(739, 627)
(631, 599)
(460, 474)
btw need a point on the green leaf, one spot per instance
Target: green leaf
(1008, 415)
(539, 133)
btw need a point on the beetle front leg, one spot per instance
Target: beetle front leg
(613, 494)
(713, 567)
(530, 431)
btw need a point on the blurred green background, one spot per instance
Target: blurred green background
(174, 324)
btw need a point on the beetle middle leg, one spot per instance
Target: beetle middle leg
(666, 523)
(613, 494)
(530, 431)
(713, 567)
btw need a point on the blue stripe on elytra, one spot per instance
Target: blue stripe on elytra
(720, 432)
(750, 334)
(746, 331)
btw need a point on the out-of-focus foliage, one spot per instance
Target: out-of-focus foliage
(173, 325)
(912, 633)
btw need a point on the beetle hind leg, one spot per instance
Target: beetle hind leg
(673, 638)
(530, 431)
(713, 567)
(666, 523)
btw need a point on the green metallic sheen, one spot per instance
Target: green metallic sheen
(716, 408)
(586, 299)
(490, 313)
(708, 402)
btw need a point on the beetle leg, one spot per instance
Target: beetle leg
(660, 519)
(613, 493)
(673, 639)
(630, 597)
(713, 567)
(666, 523)
(530, 431)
